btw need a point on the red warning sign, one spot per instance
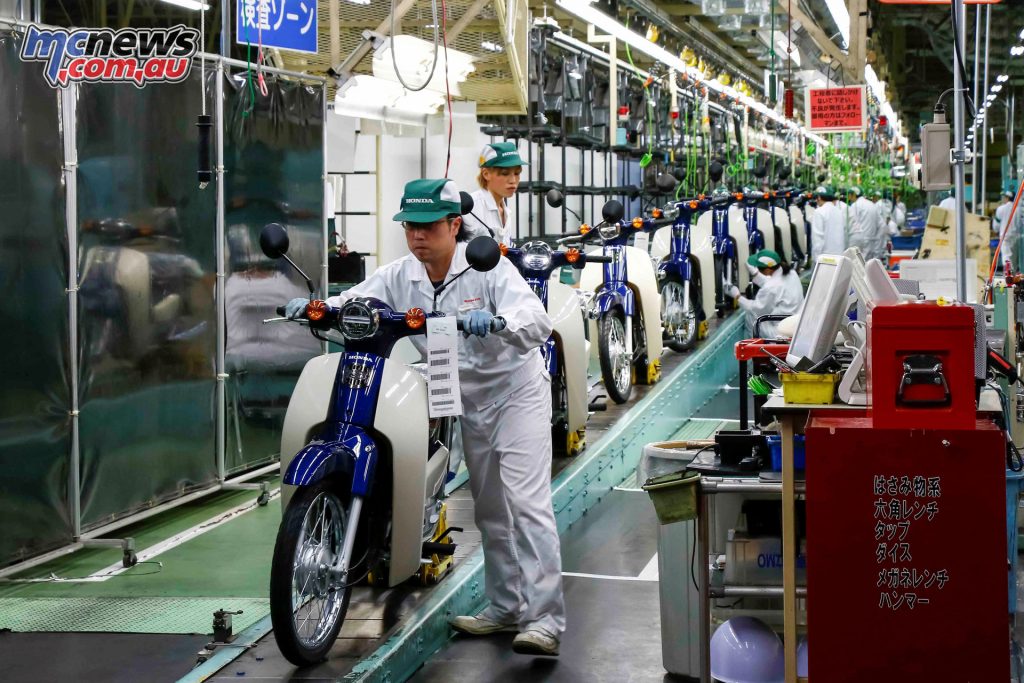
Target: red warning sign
(837, 110)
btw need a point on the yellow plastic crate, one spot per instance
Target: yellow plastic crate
(808, 388)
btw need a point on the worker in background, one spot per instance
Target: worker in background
(506, 420)
(867, 232)
(949, 204)
(779, 291)
(828, 234)
(500, 169)
(844, 210)
(899, 212)
(1002, 224)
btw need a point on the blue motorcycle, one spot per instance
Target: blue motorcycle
(363, 466)
(536, 261)
(680, 271)
(626, 305)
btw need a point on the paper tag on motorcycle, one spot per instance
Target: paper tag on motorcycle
(443, 367)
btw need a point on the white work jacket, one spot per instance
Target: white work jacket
(866, 229)
(778, 294)
(828, 232)
(1002, 216)
(485, 218)
(490, 367)
(899, 214)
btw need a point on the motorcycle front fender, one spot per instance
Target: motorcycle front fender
(354, 453)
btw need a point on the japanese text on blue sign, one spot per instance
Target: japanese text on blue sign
(284, 24)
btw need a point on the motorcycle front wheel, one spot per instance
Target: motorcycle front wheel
(679, 315)
(616, 362)
(308, 598)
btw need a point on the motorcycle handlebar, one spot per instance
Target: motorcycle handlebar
(497, 324)
(599, 259)
(280, 311)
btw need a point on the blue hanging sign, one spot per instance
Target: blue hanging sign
(284, 24)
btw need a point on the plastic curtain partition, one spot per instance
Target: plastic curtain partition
(143, 239)
(274, 168)
(35, 394)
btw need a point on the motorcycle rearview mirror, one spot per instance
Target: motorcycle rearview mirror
(554, 198)
(482, 254)
(784, 173)
(612, 211)
(760, 171)
(716, 171)
(466, 199)
(666, 182)
(274, 243)
(274, 240)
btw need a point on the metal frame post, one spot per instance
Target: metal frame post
(219, 291)
(983, 166)
(69, 123)
(977, 64)
(958, 153)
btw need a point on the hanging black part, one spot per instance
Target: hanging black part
(204, 173)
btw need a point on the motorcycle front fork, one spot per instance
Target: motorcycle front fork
(341, 569)
(629, 336)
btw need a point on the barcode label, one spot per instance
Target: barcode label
(443, 391)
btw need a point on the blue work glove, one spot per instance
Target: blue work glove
(478, 323)
(295, 308)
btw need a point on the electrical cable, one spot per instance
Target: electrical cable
(447, 87)
(964, 81)
(394, 59)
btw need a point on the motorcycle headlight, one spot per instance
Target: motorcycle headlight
(609, 231)
(358, 320)
(536, 255)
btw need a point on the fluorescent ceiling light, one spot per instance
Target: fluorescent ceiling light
(373, 94)
(188, 4)
(415, 57)
(840, 15)
(1022, 34)
(1017, 50)
(1002, 78)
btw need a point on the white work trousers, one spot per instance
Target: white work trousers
(508, 453)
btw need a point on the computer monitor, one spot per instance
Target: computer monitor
(823, 311)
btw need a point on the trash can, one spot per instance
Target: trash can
(662, 466)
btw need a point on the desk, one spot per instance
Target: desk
(789, 415)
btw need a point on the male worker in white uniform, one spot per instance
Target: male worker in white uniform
(1002, 221)
(949, 204)
(506, 420)
(500, 170)
(779, 291)
(866, 230)
(828, 234)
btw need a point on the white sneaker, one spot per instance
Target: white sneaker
(479, 626)
(535, 642)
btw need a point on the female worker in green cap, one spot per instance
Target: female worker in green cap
(500, 168)
(779, 291)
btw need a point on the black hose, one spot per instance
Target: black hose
(204, 173)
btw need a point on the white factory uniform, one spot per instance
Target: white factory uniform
(506, 433)
(899, 215)
(867, 232)
(486, 219)
(1002, 216)
(828, 233)
(949, 204)
(777, 294)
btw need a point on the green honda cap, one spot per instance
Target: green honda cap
(766, 258)
(501, 155)
(429, 200)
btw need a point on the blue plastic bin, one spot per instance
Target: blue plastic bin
(775, 447)
(906, 243)
(1014, 483)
